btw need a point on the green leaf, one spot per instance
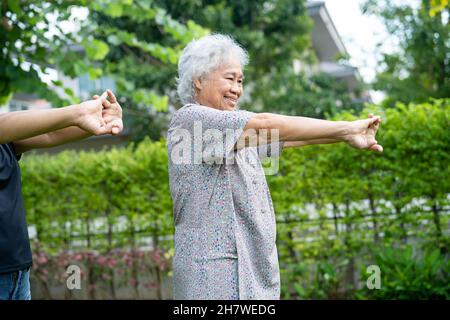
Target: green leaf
(114, 10)
(57, 83)
(80, 68)
(5, 99)
(96, 49)
(95, 73)
(160, 103)
(14, 6)
(114, 40)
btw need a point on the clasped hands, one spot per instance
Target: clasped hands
(362, 134)
(101, 115)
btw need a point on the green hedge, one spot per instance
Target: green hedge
(362, 202)
(126, 189)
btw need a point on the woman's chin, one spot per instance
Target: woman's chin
(230, 106)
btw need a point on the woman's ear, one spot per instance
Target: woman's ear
(198, 84)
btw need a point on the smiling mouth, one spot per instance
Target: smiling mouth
(230, 100)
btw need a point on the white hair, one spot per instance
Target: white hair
(202, 56)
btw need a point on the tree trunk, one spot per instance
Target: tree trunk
(112, 288)
(437, 223)
(373, 211)
(158, 271)
(335, 220)
(404, 235)
(350, 274)
(90, 267)
(134, 266)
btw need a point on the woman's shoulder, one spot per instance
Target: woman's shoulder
(195, 107)
(186, 113)
(197, 112)
(194, 111)
(189, 107)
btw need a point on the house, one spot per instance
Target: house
(328, 46)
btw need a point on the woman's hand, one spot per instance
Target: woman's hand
(112, 112)
(363, 134)
(100, 116)
(90, 116)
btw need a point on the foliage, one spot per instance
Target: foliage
(336, 207)
(412, 275)
(316, 96)
(137, 44)
(420, 68)
(341, 201)
(34, 33)
(437, 6)
(275, 33)
(106, 272)
(118, 194)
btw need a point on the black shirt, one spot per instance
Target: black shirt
(15, 252)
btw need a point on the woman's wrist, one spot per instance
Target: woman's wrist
(75, 114)
(345, 131)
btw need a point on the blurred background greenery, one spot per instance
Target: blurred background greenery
(338, 210)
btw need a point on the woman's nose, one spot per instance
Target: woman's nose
(236, 88)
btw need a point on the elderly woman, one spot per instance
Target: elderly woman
(224, 218)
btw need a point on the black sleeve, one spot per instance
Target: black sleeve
(18, 156)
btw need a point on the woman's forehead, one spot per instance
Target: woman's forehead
(233, 69)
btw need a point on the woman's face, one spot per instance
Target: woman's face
(222, 87)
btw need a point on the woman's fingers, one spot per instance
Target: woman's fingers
(371, 140)
(111, 96)
(111, 121)
(111, 117)
(116, 126)
(103, 97)
(108, 93)
(376, 147)
(364, 136)
(374, 124)
(106, 104)
(373, 119)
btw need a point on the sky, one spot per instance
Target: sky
(361, 34)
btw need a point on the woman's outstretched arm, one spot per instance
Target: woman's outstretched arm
(294, 131)
(298, 144)
(20, 125)
(111, 115)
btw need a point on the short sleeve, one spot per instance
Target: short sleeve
(214, 132)
(13, 150)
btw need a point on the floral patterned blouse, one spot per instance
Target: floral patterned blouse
(223, 213)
